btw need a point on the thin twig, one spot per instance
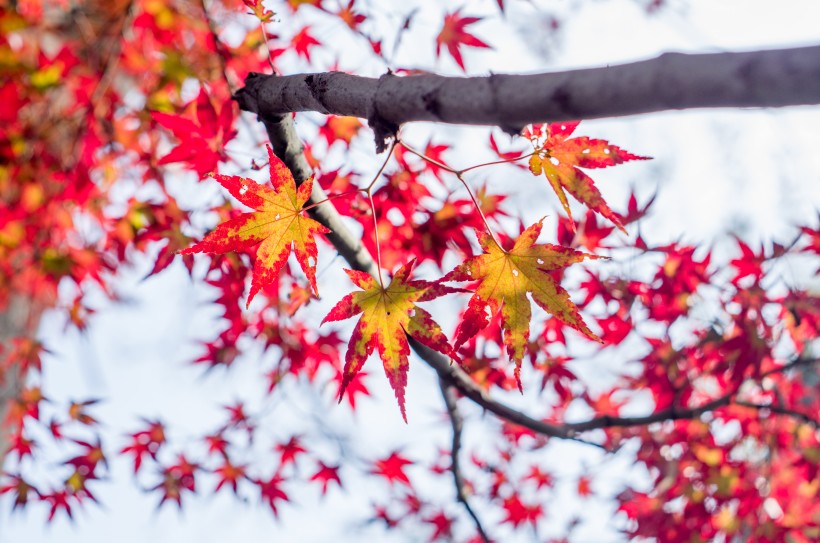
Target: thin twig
(448, 392)
(780, 410)
(458, 174)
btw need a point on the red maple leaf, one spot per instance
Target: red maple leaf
(750, 264)
(201, 141)
(443, 526)
(230, 474)
(145, 442)
(20, 489)
(176, 479)
(58, 500)
(392, 468)
(271, 491)
(290, 450)
(354, 387)
(326, 475)
(518, 512)
(303, 42)
(453, 35)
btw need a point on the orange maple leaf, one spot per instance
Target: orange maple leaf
(453, 35)
(504, 279)
(560, 158)
(279, 224)
(389, 315)
(264, 15)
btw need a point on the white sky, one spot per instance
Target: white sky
(753, 172)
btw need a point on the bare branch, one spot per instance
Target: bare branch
(775, 78)
(679, 413)
(780, 410)
(287, 147)
(448, 391)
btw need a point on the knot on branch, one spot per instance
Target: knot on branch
(248, 96)
(383, 130)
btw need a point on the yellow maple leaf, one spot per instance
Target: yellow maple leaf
(279, 224)
(389, 315)
(504, 280)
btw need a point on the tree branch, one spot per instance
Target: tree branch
(775, 78)
(18, 318)
(677, 413)
(450, 400)
(288, 148)
(780, 410)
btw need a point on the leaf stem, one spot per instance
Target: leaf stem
(480, 212)
(459, 174)
(331, 197)
(463, 170)
(427, 158)
(493, 163)
(376, 237)
(384, 165)
(369, 192)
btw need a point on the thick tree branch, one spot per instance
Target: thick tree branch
(775, 78)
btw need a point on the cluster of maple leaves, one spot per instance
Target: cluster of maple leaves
(87, 181)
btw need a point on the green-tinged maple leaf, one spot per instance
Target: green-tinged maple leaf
(278, 223)
(504, 279)
(560, 158)
(389, 315)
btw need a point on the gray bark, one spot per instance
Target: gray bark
(19, 318)
(672, 81)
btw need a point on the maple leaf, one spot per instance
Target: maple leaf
(20, 489)
(453, 35)
(505, 278)
(518, 512)
(290, 450)
(201, 142)
(350, 17)
(58, 500)
(389, 315)
(392, 468)
(229, 474)
(303, 43)
(264, 15)
(325, 475)
(443, 526)
(540, 477)
(278, 223)
(354, 387)
(560, 158)
(145, 442)
(271, 491)
(176, 479)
